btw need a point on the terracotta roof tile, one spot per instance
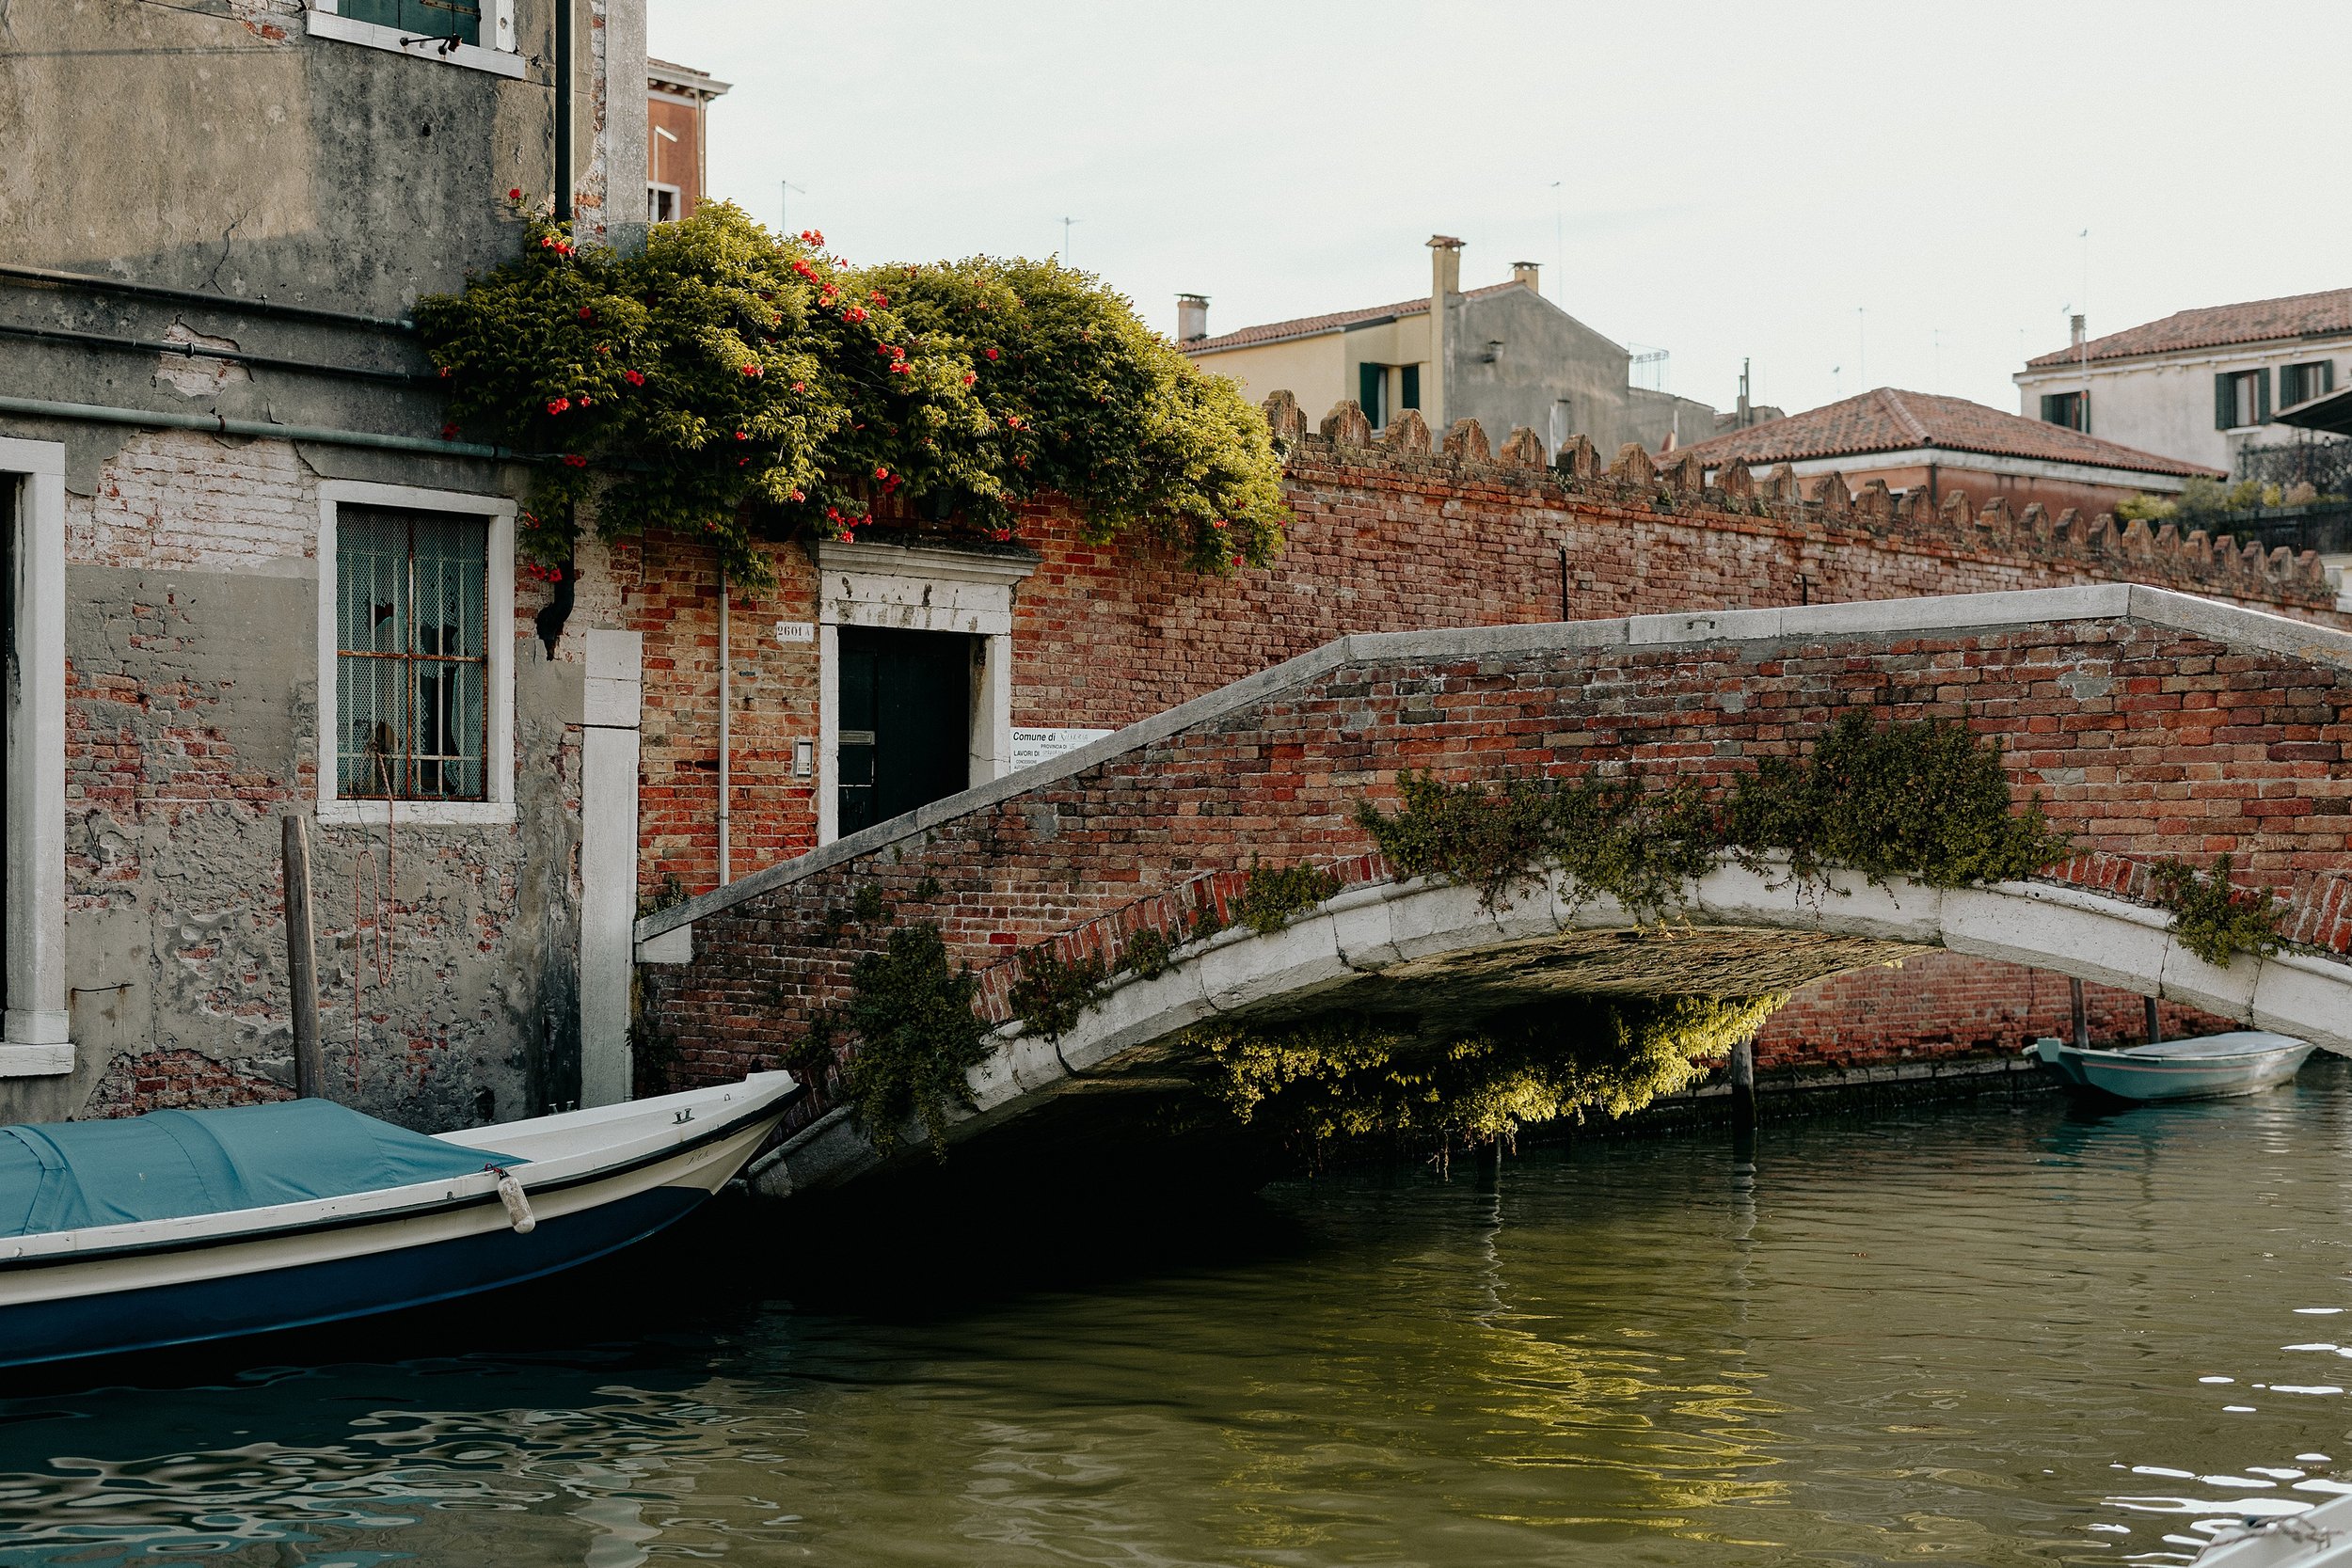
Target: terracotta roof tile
(1889, 420)
(2215, 325)
(1310, 327)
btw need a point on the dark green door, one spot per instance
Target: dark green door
(906, 722)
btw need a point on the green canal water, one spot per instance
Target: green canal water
(1989, 1334)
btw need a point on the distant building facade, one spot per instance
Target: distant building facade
(1501, 355)
(2197, 385)
(678, 138)
(1918, 441)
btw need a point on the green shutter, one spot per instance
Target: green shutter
(1408, 393)
(2224, 405)
(2262, 395)
(1371, 381)
(2327, 368)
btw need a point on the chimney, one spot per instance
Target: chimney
(1445, 279)
(1192, 318)
(1524, 272)
(2077, 324)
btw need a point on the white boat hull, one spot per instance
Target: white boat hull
(608, 1178)
(2214, 1067)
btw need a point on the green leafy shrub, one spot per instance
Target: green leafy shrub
(734, 386)
(2212, 918)
(1269, 898)
(918, 1037)
(1567, 1059)
(1924, 799)
(1147, 954)
(1054, 993)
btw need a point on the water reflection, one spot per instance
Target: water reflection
(1996, 1335)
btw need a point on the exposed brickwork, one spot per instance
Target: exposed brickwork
(1951, 1005)
(2143, 740)
(176, 1081)
(191, 727)
(1383, 539)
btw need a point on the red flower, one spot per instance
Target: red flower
(575, 460)
(800, 387)
(635, 378)
(901, 368)
(444, 373)
(546, 242)
(742, 434)
(854, 313)
(555, 574)
(1014, 420)
(1000, 535)
(812, 236)
(881, 472)
(448, 431)
(1218, 523)
(969, 377)
(559, 405)
(750, 370)
(992, 354)
(742, 461)
(798, 497)
(585, 400)
(878, 296)
(604, 348)
(516, 194)
(587, 314)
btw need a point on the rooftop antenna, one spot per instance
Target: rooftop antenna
(1065, 240)
(1559, 236)
(784, 203)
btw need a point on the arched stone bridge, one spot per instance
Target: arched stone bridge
(2150, 723)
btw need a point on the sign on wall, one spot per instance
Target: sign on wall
(1031, 747)
(796, 631)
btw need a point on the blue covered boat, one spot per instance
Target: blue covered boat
(186, 1226)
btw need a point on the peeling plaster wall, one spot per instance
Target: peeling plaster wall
(192, 727)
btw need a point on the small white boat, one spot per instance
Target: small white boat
(2317, 1537)
(2240, 1061)
(186, 1226)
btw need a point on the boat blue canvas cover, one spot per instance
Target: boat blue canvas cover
(68, 1175)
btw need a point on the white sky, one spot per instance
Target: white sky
(1735, 178)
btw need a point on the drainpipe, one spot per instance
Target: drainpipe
(726, 789)
(560, 176)
(214, 424)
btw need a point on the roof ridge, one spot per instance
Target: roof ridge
(1903, 416)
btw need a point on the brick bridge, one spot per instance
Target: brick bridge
(2152, 724)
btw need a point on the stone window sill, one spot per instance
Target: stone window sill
(35, 1061)
(416, 814)
(468, 56)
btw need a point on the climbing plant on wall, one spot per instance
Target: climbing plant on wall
(730, 384)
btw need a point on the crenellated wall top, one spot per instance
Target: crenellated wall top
(1632, 479)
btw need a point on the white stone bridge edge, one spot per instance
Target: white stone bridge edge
(1363, 930)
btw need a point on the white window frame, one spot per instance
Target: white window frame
(657, 188)
(324, 20)
(498, 593)
(35, 1036)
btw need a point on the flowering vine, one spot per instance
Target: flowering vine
(735, 386)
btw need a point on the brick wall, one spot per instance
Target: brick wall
(1952, 1005)
(2144, 740)
(1383, 539)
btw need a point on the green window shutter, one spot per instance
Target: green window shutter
(2262, 395)
(2326, 379)
(1408, 393)
(2053, 410)
(2082, 411)
(2224, 400)
(1371, 381)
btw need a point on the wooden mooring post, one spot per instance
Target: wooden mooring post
(302, 987)
(2082, 1017)
(1743, 1088)
(2155, 1030)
